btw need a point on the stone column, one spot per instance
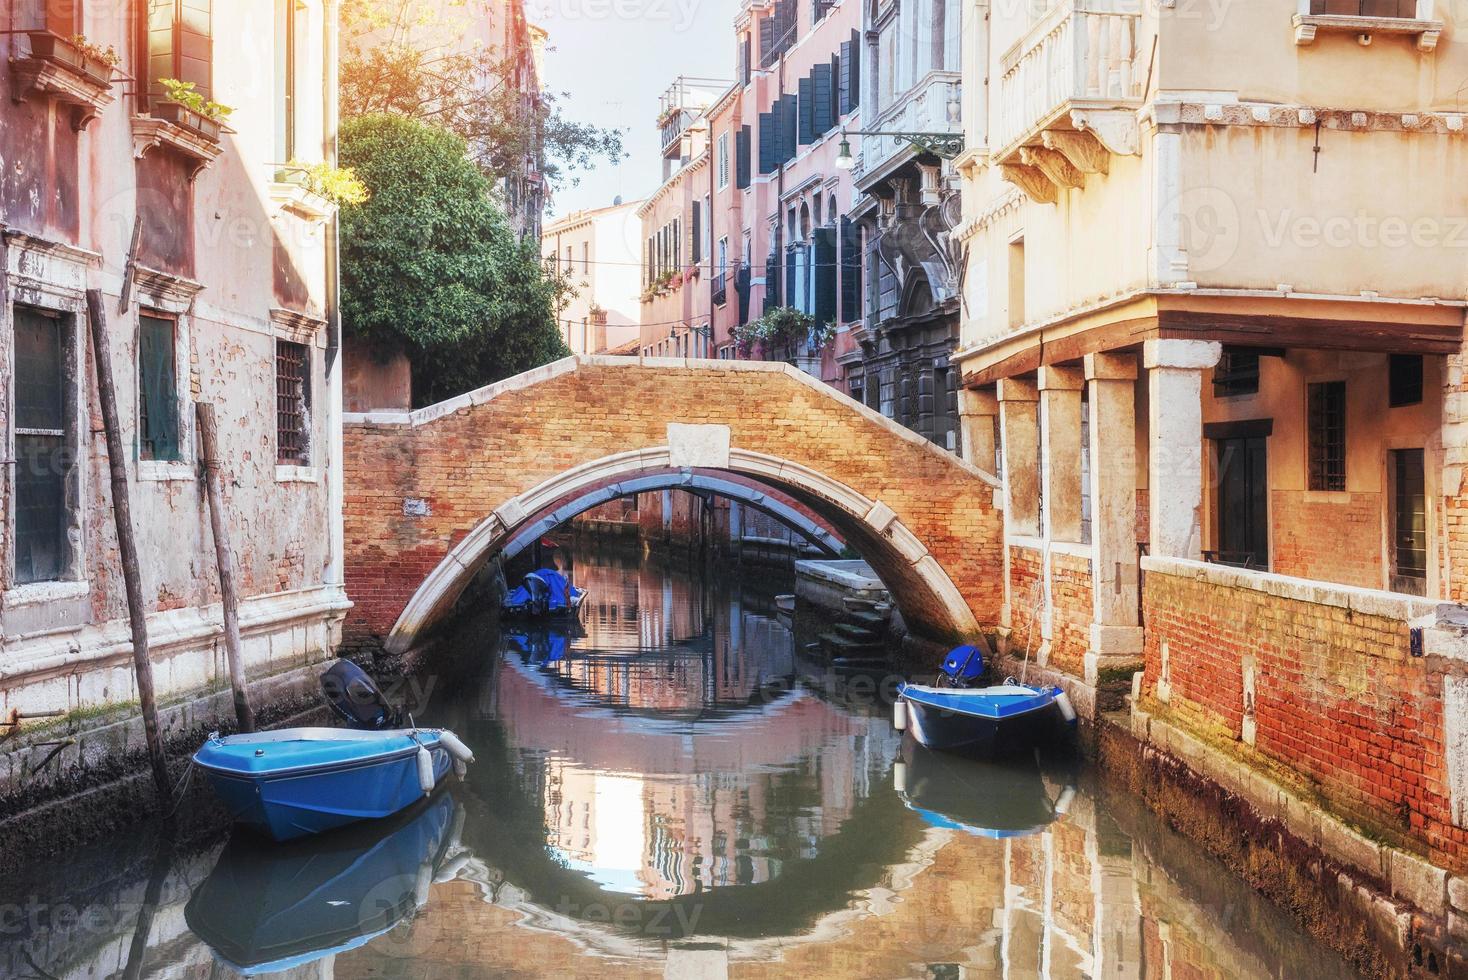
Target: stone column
(1019, 424)
(1175, 442)
(977, 409)
(1060, 440)
(1113, 434)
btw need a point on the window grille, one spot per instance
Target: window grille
(1237, 373)
(1327, 419)
(292, 403)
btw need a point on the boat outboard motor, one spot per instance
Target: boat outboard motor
(963, 666)
(356, 699)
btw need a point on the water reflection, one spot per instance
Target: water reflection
(268, 908)
(673, 790)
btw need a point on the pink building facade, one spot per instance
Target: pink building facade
(753, 211)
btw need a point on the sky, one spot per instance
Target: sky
(613, 59)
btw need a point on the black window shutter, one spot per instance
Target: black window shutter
(843, 79)
(772, 282)
(807, 133)
(741, 286)
(788, 112)
(741, 157)
(767, 27)
(850, 270)
(767, 141)
(820, 77)
(825, 274)
(790, 298)
(853, 71)
(696, 239)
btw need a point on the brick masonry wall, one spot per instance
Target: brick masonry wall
(1350, 554)
(463, 465)
(1071, 595)
(1025, 600)
(1343, 712)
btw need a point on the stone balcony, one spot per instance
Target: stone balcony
(1068, 92)
(930, 106)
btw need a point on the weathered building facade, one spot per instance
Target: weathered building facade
(763, 222)
(1213, 329)
(907, 210)
(215, 264)
(597, 253)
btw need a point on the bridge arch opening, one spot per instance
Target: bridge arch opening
(929, 600)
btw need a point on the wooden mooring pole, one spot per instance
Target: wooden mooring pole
(126, 545)
(224, 556)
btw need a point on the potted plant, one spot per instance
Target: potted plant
(339, 185)
(76, 53)
(781, 331)
(184, 106)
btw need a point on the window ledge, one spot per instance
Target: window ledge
(85, 93)
(198, 148)
(293, 198)
(296, 474)
(163, 470)
(1428, 32)
(39, 593)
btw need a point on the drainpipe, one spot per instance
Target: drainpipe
(335, 463)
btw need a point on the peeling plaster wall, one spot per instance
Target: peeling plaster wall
(241, 273)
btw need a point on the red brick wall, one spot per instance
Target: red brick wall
(1025, 599)
(1350, 553)
(467, 463)
(1070, 591)
(1342, 709)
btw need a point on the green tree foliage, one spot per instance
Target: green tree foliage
(430, 265)
(417, 58)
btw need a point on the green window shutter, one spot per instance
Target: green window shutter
(767, 141)
(157, 389)
(807, 128)
(788, 112)
(820, 79)
(850, 270)
(825, 274)
(741, 158)
(853, 72)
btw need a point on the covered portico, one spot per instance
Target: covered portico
(1272, 433)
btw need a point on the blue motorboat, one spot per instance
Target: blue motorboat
(297, 781)
(266, 908)
(956, 715)
(544, 592)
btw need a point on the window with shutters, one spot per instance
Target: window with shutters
(723, 160)
(46, 448)
(292, 403)
(850, 270)
(61, 17)
(695, 240)
(586, 257)
(180, 44)
(158, 401)
(807, 109)
(1327, 441)
(291, 34)
(741, 158)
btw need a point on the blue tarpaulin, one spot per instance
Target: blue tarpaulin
(547, 585)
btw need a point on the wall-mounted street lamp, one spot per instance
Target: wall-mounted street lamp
(945, 146)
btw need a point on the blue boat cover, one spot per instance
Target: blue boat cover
(248, 757)
(555, 583)
(964, 663)
(982, 702)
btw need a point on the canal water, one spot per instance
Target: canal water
(672, 789)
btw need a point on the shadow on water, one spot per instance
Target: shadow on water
(670, 788)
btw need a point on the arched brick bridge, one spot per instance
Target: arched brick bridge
(434, 494)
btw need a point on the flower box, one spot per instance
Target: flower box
(185, 118)
(60, 51)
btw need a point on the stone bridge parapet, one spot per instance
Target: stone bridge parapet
(434, 494)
